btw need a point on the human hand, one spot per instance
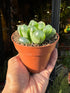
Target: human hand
(19, 80)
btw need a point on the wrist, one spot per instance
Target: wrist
(8, 89)
(5, 89)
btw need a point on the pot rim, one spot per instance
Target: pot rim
(36, 46)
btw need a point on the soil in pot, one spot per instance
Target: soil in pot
(16, 36)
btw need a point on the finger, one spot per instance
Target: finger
(46, 73)
(41, 82)
(52, 61)
(42, 78)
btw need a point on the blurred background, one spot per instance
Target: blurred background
(14, 12)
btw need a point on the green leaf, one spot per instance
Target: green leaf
(19, 30)
(47, 30)
(25, 31)
(38, 37)
(41, 25)
(33, 23)
(24, 40)
(51, 34)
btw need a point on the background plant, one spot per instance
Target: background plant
(60, 84)
(66, 61)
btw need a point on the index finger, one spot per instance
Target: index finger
(52, 61)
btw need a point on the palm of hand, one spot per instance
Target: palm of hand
(20, 81)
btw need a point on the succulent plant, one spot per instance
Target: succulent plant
(35, 32)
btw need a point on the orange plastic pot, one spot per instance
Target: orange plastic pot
(35, 58)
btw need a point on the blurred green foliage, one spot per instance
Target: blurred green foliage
(66, 62)
(60, 84)
(65, 12)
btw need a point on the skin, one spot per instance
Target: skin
(19, 80)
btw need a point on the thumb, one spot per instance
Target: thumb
(17, 74)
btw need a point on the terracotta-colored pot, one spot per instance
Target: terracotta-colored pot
(35, 58)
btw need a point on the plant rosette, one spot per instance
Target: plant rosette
(31, 42)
